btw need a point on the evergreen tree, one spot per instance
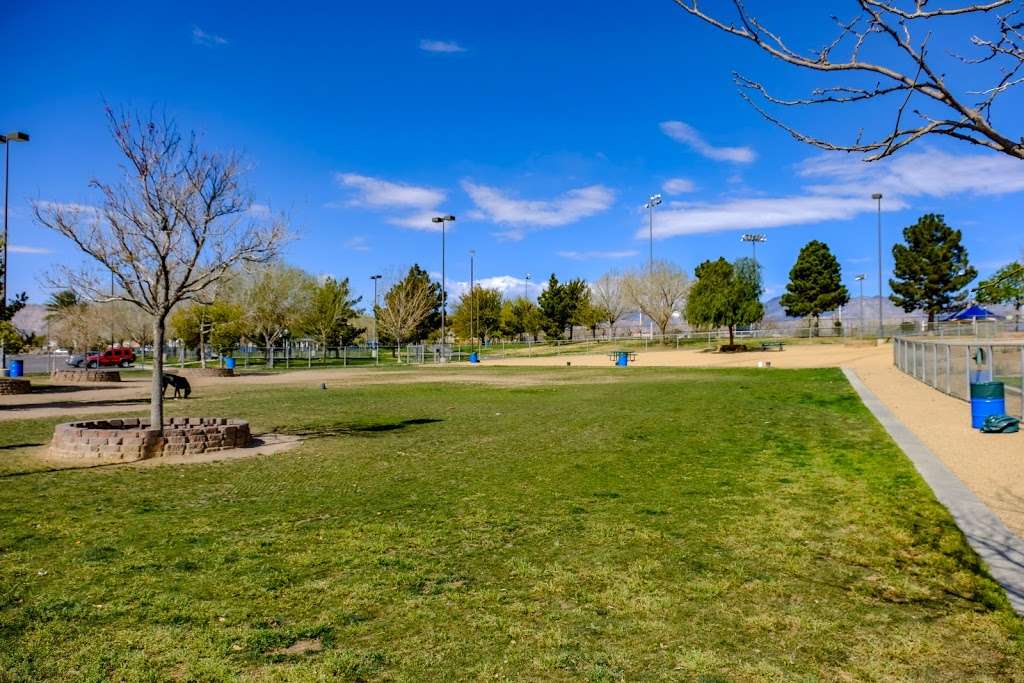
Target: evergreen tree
(815, 283)
(576, 294)
(1005, 287)
(931, 269)
(554, 314)
(726, 295)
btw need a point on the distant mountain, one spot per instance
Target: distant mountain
(890, 311)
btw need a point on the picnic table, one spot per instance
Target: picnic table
(622, 358)
(773, 345)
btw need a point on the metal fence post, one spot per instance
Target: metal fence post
(949, 371)
(935, 365)
(967, 369)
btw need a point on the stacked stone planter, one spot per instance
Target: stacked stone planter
(133, 439)
(206, 372)
(86, 376)
(9, 386)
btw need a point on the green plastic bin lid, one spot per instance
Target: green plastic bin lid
(987, 390)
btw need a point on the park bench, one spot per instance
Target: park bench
(622, 358)
(773, 346)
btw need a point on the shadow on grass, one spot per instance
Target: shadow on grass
(72, 388)
(74, 404)
(13, 446)
(352, 429)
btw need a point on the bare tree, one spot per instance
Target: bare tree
(406, 305)
(608, 295)
(658, 291)
(172, 227)
(912, 75)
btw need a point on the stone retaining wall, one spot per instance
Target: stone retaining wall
(86, 376)
(133, 439)
(10, 386)
(206, 372)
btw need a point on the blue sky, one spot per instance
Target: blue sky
(542, 126)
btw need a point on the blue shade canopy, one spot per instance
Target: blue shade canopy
(971, 312)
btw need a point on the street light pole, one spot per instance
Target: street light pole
(754, 238)
(6, 141)
(881, 323)
(472, 296)
(652, 201)
(526, 286)
(860, 278)
(376, 343)
(443, 220)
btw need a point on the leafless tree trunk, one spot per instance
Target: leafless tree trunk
(912, 77)
(174, 226)
(608, 294)
(658, 291)
(406, 305)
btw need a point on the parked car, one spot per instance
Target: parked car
(111, 357)
(77, 360)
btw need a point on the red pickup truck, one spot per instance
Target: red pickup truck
(121, 356)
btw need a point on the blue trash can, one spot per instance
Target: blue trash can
(623, 360)
(987, 398)
(229, 363)
(474, 357)
(15, 368)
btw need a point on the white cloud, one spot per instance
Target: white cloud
(840, 189)
(66, 207)
(687, 135)
(448, 46)
(357, 243)
(597, 255)
(377, 193)
(258, 210)
(927, 173)
(18, 249)
(509, 285)
(201, 37)
(498, 206)
(758, 213)
(678, 186)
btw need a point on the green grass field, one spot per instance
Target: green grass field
(561, 524)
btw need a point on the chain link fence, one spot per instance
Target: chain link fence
(952, 365)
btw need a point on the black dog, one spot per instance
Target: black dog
(179, 383)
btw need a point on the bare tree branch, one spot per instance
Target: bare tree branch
(891, 26)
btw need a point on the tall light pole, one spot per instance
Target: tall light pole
(6, 141)
(754, 238)
(443, 220)
(652, 201)
(881, 324)
(860, 278)
(526, 287)
(472, 297)
(376, 345)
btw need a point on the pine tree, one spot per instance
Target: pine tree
(815, 283)
(931, 269)
(554, 313)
